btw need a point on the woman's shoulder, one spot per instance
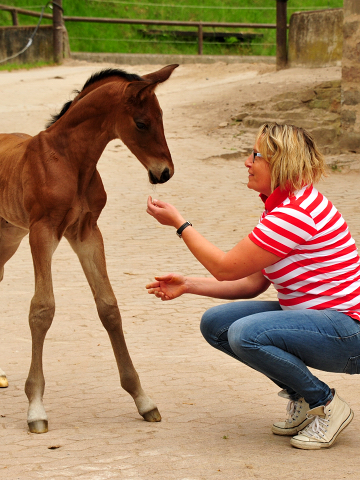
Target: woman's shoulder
(309, 199)
(312, 203)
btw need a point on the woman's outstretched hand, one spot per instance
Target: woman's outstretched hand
(164, 213)
(168, 287)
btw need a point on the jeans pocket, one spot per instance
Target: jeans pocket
(353, 365)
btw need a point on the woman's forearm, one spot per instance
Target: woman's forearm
(248, 287)
(243, 260)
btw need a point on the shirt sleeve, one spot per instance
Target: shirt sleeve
(282, 230)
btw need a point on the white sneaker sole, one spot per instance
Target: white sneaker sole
(290, 431)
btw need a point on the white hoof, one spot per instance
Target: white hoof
(147, 408)
(37, 418)
(152, 416)
(38, 426)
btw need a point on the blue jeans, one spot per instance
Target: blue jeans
(282, 344)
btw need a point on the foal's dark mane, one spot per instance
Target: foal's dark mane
(96, 77)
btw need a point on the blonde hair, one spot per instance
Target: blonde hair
(293, 156)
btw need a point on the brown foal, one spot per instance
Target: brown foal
(50, 188)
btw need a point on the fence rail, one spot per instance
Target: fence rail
(15, 11)
(168, 22)
(281, 28)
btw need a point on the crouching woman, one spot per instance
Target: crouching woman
(301, 246)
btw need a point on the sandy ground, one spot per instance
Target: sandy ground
(217, 414)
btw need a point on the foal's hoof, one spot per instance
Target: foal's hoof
(38, 426)
(3, 382)
(152, 416)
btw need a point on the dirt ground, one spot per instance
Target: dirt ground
(217, 414)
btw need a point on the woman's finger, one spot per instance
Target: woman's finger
(153, 290)
(153, 203)
(164, 278)
(159, 203)
(150, 206)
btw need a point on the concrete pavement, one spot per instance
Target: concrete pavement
(217, 414)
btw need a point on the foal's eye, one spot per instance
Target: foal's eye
(140, 125)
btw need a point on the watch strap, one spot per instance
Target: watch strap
(182, 228)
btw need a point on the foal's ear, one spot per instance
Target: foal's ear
(136, 91)
(161, 75)
(140, 89)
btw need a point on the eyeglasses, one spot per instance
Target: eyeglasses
(254, 155)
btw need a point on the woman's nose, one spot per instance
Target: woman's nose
(248, 161)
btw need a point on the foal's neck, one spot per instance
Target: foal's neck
(82, 134)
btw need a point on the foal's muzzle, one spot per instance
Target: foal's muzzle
(165, 176)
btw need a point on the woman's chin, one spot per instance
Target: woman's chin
(250, 186)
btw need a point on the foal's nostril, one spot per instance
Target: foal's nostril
(152, 178)
(165, 176)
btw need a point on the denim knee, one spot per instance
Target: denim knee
(214, 327)
(241, 337)
(208, 326)
(216, 321)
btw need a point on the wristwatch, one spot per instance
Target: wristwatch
(182, 228)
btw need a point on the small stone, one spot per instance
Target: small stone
(286, 105)
(307, 96)
(223, 124)
(239, 117)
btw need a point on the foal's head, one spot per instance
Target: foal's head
(140, 125)
(130, 111)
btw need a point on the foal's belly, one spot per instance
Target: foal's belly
(12, 148)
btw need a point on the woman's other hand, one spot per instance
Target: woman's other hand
(168, 287)
(164, 213)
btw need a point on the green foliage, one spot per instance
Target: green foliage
(231, 40)
(121, 38)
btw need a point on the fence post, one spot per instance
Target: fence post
(58, 31)
(281, 34)
(200, 39)
(14, 17)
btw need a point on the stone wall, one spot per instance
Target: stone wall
(316, 38)
(350, 98)
(14, 39)
(316, 108)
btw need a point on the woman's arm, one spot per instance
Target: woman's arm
(173, 285)
(241, 261)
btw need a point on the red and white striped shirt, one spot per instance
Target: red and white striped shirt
(320, 265)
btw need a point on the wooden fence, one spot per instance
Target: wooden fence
(59, 19)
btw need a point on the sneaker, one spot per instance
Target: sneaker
(297, 418)
(327, 422)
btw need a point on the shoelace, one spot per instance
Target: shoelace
(317, 428)
(291, 410)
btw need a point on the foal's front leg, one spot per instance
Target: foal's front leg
(43, 243)
(92, 258)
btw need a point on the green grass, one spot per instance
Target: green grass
(95, 37)
(24, 66)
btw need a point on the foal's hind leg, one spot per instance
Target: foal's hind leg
(10, 238)
(92, 258)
